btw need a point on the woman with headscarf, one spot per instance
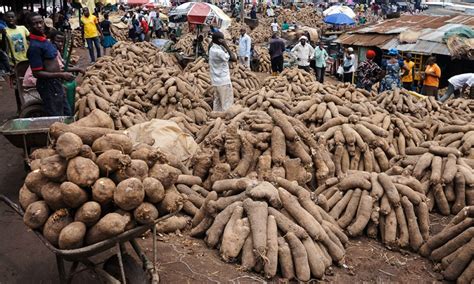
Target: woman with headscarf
(391, 68)
(368, 72)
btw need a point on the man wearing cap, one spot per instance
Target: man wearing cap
(245, 43)
(303, 52)
(349, 65)
(368, 72)
(320, 56)
(219, 57)
(408, 72)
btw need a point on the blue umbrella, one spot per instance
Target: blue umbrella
(339, 19)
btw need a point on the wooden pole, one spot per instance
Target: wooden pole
(242, 10)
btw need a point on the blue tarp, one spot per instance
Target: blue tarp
(338, 19)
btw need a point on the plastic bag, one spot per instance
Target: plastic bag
(340, 70)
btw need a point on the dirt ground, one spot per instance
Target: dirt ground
(23, 259)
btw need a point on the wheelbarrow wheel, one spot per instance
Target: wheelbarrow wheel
(33, 110)
(134, 272)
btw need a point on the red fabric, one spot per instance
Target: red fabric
(198, 13)
(144, 25)
(38, 38)
(370, 54)
(137, 2)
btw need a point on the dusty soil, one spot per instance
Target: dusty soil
(23, 259)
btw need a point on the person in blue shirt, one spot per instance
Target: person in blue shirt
(42, 55)
(4, 65)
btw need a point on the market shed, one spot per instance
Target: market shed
(421, 35)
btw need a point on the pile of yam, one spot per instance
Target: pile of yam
(272, 229)
(93, 184)
(392, 207)
(264, 60)
(185, 44)
(257, 143)
(306, 16)
(447, 177)
(132, 93)
(453, 248)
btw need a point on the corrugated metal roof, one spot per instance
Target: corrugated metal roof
(385, 34)
(421, 46)
(363, 39)
(414, 22)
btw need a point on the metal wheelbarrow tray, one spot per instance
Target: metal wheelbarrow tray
(30, 132)
(82, 255)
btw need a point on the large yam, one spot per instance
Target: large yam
(36, 214)
(129, 194)
(26, 197)
(165, 173)
(97, 118)
(154, 190)
(82, 171)
(257, 212)
(72, 195)
(103, 191)
(35, 180)
(55, 223)
(89, 213)
(112, 160)
(72, 236)
(54, 167)
(113, 141)
(108, 226)
(88, 134)
(68, 145)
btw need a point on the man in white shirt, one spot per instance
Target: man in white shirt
(219, 57)
(457, 85)
(245, 43)
(303, 52)
(349, 65)
(274, 26)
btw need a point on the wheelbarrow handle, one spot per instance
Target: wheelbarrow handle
(12, 205)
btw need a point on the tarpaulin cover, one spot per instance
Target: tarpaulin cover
(168, 137)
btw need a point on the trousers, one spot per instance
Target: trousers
(90, 42)
(54, 100)
(277, 64)
(224, 97)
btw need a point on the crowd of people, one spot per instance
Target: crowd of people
(41, 45)
(398, 71)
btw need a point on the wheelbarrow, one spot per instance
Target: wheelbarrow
(83, 255)
(30, 133)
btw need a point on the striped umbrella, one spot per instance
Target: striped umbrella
(200, 13)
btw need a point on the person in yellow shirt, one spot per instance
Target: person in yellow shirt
(431, 75)
(91, 32)
(15, 38)
(408, 72)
